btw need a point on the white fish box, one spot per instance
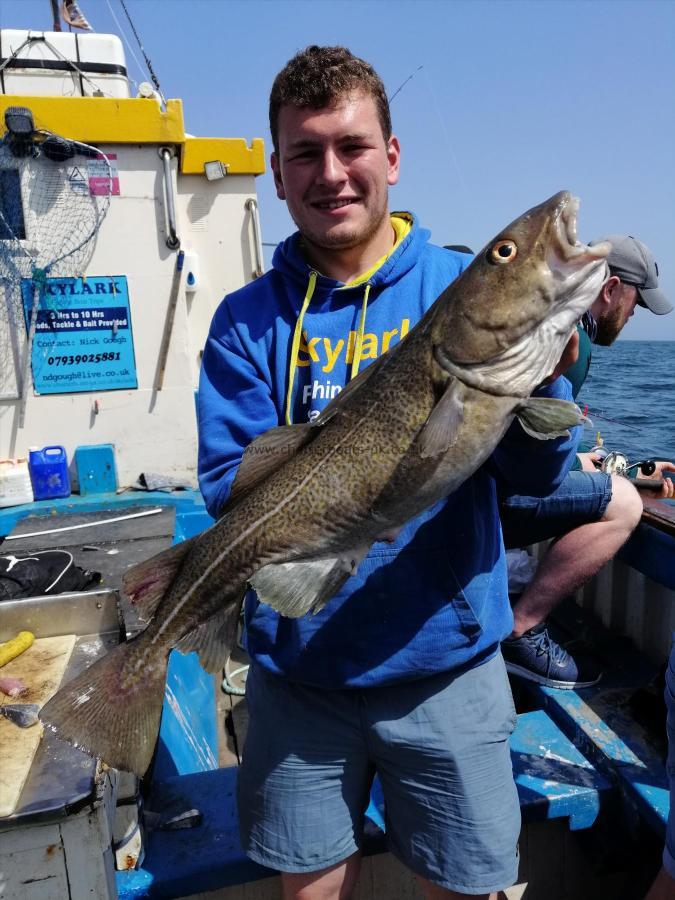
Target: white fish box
(53, 64)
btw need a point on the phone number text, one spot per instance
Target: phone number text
(82, 358)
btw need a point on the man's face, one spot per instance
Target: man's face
(333, 169)
(611, 323)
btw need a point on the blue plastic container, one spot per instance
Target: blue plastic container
(96, 469)
(49, 473)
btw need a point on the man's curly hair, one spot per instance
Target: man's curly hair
(317, 76)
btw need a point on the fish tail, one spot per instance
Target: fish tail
(112, 710)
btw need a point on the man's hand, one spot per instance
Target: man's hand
(590, 462)
(663, 487)
(569, 356)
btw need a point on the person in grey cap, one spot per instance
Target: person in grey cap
(592, 513)
(634, 280)
(633, 264)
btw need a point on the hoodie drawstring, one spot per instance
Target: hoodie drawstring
(297, 332)
(356, 361)
(295, 345)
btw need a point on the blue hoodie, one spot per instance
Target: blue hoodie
(434, 600)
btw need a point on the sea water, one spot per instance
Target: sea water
(630, 394)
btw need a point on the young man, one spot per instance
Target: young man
(594, 512)
(401, 672)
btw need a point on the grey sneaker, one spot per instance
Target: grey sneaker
(535, 656)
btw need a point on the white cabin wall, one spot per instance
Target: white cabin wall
(215, 225)
(152, 431)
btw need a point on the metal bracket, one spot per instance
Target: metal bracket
(252, 206)
(166, 155)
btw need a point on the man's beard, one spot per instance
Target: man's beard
(609, 327)
(346, 240)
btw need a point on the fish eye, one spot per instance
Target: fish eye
(502, 252)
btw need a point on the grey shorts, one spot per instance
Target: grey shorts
(440, 747)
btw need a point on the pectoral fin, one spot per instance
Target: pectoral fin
(295, 588)
(546, 417)
(442, 427)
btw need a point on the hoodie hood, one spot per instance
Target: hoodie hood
(290, 262)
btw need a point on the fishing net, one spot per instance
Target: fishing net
(54, 195)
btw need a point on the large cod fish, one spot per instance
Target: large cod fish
(309, 500)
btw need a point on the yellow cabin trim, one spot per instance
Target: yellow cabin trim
(107, 120)
(235, 153)
(103, 120)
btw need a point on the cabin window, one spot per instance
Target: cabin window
(11, 208)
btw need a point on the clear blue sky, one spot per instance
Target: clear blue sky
(514, 101)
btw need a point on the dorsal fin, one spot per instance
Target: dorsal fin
(265, 455)
(146, 583)
(214, 639)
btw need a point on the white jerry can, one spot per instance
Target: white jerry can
(15, 485)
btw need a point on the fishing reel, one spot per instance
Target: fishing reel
(615, 463)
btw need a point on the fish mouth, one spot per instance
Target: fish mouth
(569, 276)
(576, 271)
(567, 247)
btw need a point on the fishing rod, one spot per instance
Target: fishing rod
(597, 415)
(409, 78)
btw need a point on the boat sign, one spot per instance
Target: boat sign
(103, 176)
(83, 337)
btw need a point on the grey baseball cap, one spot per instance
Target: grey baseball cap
(634, 264)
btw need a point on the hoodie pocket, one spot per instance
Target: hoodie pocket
(423, 580)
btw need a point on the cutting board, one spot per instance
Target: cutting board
(41, 669)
